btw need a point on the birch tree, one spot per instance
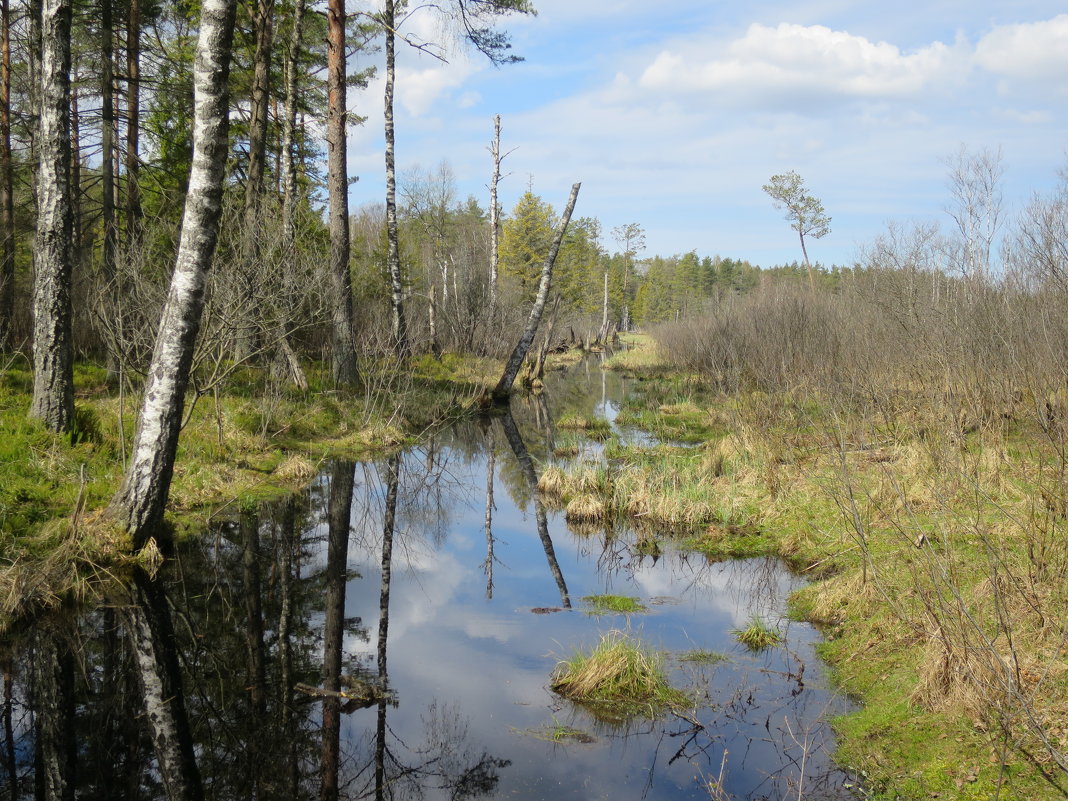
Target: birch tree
(53, 378)
(140, 501)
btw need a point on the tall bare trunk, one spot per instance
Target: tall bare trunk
(494, 209)
(7, 208)
(399, 323)
(288, 175)
(53, 395)
(141, 499)
(54, 702)
(515, 361)
(289, 125)
(488, 565)
(257, 131)
(344, 363)
(340, 511)
(107, 137)
(389, 525)
(530, 475)
(602, 337)
(133, 124)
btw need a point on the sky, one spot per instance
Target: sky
(674, 117)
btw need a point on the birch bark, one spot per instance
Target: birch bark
(53, 380)
(399, 323)
(141, 499)
(494, 210)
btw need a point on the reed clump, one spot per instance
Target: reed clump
(618, 679)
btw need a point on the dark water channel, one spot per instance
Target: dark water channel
(383, 582)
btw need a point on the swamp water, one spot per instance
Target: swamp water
(422, 642)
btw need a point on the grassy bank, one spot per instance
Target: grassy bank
(254, 440)
(938, 552)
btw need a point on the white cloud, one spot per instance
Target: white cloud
(1031, 50)
(799, 58)
(418, 89)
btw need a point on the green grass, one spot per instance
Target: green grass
(618, 680)
(614, 604)
(758, 635)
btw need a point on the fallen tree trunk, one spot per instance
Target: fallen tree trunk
(504, 387)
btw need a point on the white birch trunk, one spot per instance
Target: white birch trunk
(141, 499)
(399, 323)
(494, 210)
(53, 379)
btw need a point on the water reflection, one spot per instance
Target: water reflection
(374, 638)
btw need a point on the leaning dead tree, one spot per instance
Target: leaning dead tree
(515, 361)
(139, 503)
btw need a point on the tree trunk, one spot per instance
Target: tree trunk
(133, 125)
(257, 131)
(288, 171)
(7, 208)
(53, 394)
(107, 136)
(399, 324)
(141, 499)
(388, 528)
(515, 361)
(54, 705)
(344, 361)
(494, 210)
(602, 336)
(289, 125)
(488, 565)
(342, 479)
(808, 265)
(151, 633)
(526, 467)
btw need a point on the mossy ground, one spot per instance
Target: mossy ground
(255, 440)
(938, 549)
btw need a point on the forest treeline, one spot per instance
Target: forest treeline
(130, 138)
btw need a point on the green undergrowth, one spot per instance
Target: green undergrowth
(937, 549)
(254, 440)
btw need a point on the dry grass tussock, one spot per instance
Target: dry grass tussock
(585, 509)
(81, 556)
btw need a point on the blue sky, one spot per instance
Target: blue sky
(675, 117)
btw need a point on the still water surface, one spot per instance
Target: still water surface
(438, 576)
